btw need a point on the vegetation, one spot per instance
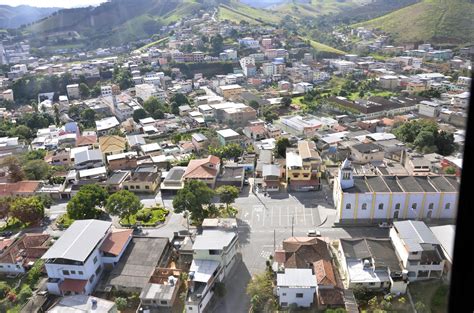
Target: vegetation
(85, 203)
(230, 151)
(227, 194)
(280, 147)
(146, 217)
(155, 107)
(27, 210)
(260, 291)
(123, 203)
(425, 136)
(195, 198)
(430, 296)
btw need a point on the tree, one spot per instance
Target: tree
(123, 203)
(5, 205)
(281, 145)
(227, 194)
(37, 170)
(424, 139)
(154, 107)
(193, 197)
(88, 117)
(36, 154)
(14, 168)
(27, 210)
(179, 98)
(217, 43)
(175, 108)
(84, 90)
(230, 151)
(22, 131)
(254, 104)
(286, 101)
(450, 170)
(139, 114)
(84, 204)
(445, 143)
(121, 303)
(260, 291)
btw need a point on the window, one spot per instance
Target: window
(73, 272)
(372, 284)
(381, 206)
(147, 187)
(97, 271)
(190, 308)
(447, 206)
(397, 206)
(413, 206)
(299, 295)
(348, 206)
(92, 278)
(137, 187)
(95, 259)
(65, 272)
(214, 252)
(283, 294)
(80, 272)
(431, 206)
(284, 304)
(164, 302)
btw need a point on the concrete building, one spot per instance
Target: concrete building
(145, 91)
(303, 167)
(228, 136)
(429, 108)
(228, 91)
(73, 91)
(296, 286)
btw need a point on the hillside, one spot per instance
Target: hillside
(435, 21)
(315, 8)
(13, 17)
(237, 11)
(118, 21)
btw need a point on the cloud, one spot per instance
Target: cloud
(53, 3)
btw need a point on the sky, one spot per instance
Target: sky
(53, 3)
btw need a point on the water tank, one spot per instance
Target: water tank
(366, 263)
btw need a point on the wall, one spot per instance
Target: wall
(11, 268)
(290, 295)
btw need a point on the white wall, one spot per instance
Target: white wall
(400, 249)
(288, 295)
(364, 198)
(381, 198)
(11, 268)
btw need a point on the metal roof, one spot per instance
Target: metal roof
(296, 277)
(445, 235)
(293, 159)
(203, 270)
(414, 233)
(270, 170)
(87, 155)
(213, 240)
(78, 241)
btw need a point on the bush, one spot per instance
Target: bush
(35, 273)
(144, 215)
(25, 293)
(4, 289)
(121, 303)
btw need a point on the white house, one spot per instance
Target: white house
(106, 124)
(303, 87)
(214, 256)
(296, 286)
(73, 91)
(389, 197)
(418, 249)
(76, 261)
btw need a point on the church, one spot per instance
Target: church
(379, 198)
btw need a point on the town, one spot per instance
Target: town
(228, 167)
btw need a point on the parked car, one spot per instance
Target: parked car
(6, 234)
(385, 225)
(313, 233)
(246, 181)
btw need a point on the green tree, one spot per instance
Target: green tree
(139, 114)
(22, 131)
(281, 145)
(286, 101)
(84, 204)
(37, 170)
(88, 117)
(14, 169)
(5, 205)
(175, 108)
(227, 194)
(179, 98)
(445, 143)
(450, 170)
(36, 154)
(123, 78)
(123, 203)
(260, 291)
(84, 90)
(254, 104)
(25, 293)
(217, 43)
(193, 198)
(121, 303)
(154, 107)
(424, 139)
(27, 210)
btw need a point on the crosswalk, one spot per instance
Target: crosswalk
(278, 216)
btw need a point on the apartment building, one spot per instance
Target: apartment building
(303, 167)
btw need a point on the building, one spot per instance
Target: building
(143, 180)
(303, 167)
(162, 290)
(445, 236)
(374, 198)
(271, 175)
(87, 159)
(363, 153)
(73, 91)
(214, 254)
(199, 141)
(372, 263)
(229, 91)
(105, 125)
(75, 262)
(228, 136)
(83, 303)
(390, 82)
(296, 286)
(145, 91)
(19, 254)
(110, 145)
(418, 249)
(205, 170)
(429, 108)
(303, 87)
(7, 95)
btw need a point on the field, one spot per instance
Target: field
(320, 47)
(154, 43)
(433, 294)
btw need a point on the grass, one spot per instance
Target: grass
(226, 14)
(317, 7)
(158, 215)
(64, 221)
(320, 47)
(154, 43)
(434, 294)
(435, 21)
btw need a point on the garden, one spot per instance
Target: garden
(146, 217)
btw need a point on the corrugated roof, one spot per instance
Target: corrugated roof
(296, 277)
(414, 233)
(213, 240)
(78, 240)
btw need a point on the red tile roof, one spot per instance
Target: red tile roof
(115, 242)
(25, 186)
(199, 168)
(324, 273)
(302, 252)
(333, 297)
(31, 246)
(5, 243)
(73, 285)
(85, 140)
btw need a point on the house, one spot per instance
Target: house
(88, 159)
(205, 170)
(228, 136)
(303, 87)
(143, 180)
(135, 141)
(133, 271)
(122, 161)
(173, 180)
(229, 91)
(445, 235)
(88, 140)
(73, 91)
(18, 255)
(199, 141)
(271, 174)
(214, 254)
(372, 263)
(77, 259)
(110, 145)
(296, 286)
(255, 132)
(376, 197)
(115, 180)
(106, 125)
(83, 303)
(162, 289)
(429, 108)
(303, 167)
(363, 153)
(418, 249)
(24, 188)
(231, 175)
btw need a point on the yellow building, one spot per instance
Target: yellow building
(112, 145)
(303, 167)
(229, 91)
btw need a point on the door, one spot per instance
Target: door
(395, 215)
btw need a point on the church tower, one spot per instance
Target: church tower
(346, 175)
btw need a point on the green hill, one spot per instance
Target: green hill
(315, 8)
(436, 21)
(117, 21)
(237, 11)
(13, 17)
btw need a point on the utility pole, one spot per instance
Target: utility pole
(292, 224)
(274, 240)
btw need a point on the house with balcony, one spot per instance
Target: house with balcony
(303, 167)
(418, 249)
(75, 262)
(214, 254)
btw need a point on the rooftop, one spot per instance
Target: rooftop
(414, 233)
(296, 277)
(213, 240)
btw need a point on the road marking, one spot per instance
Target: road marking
(279, 224)
(288, 215)
(312, 217)
(296, 214)
(272, 212)
(304, 215)
(265, 254)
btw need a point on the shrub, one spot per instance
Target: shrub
(4, 289)
(121, 303)
(144, 215)
(35, 272)
(25, 293)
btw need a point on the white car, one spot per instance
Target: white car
(313, 233)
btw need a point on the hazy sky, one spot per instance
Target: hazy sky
(52, 3)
